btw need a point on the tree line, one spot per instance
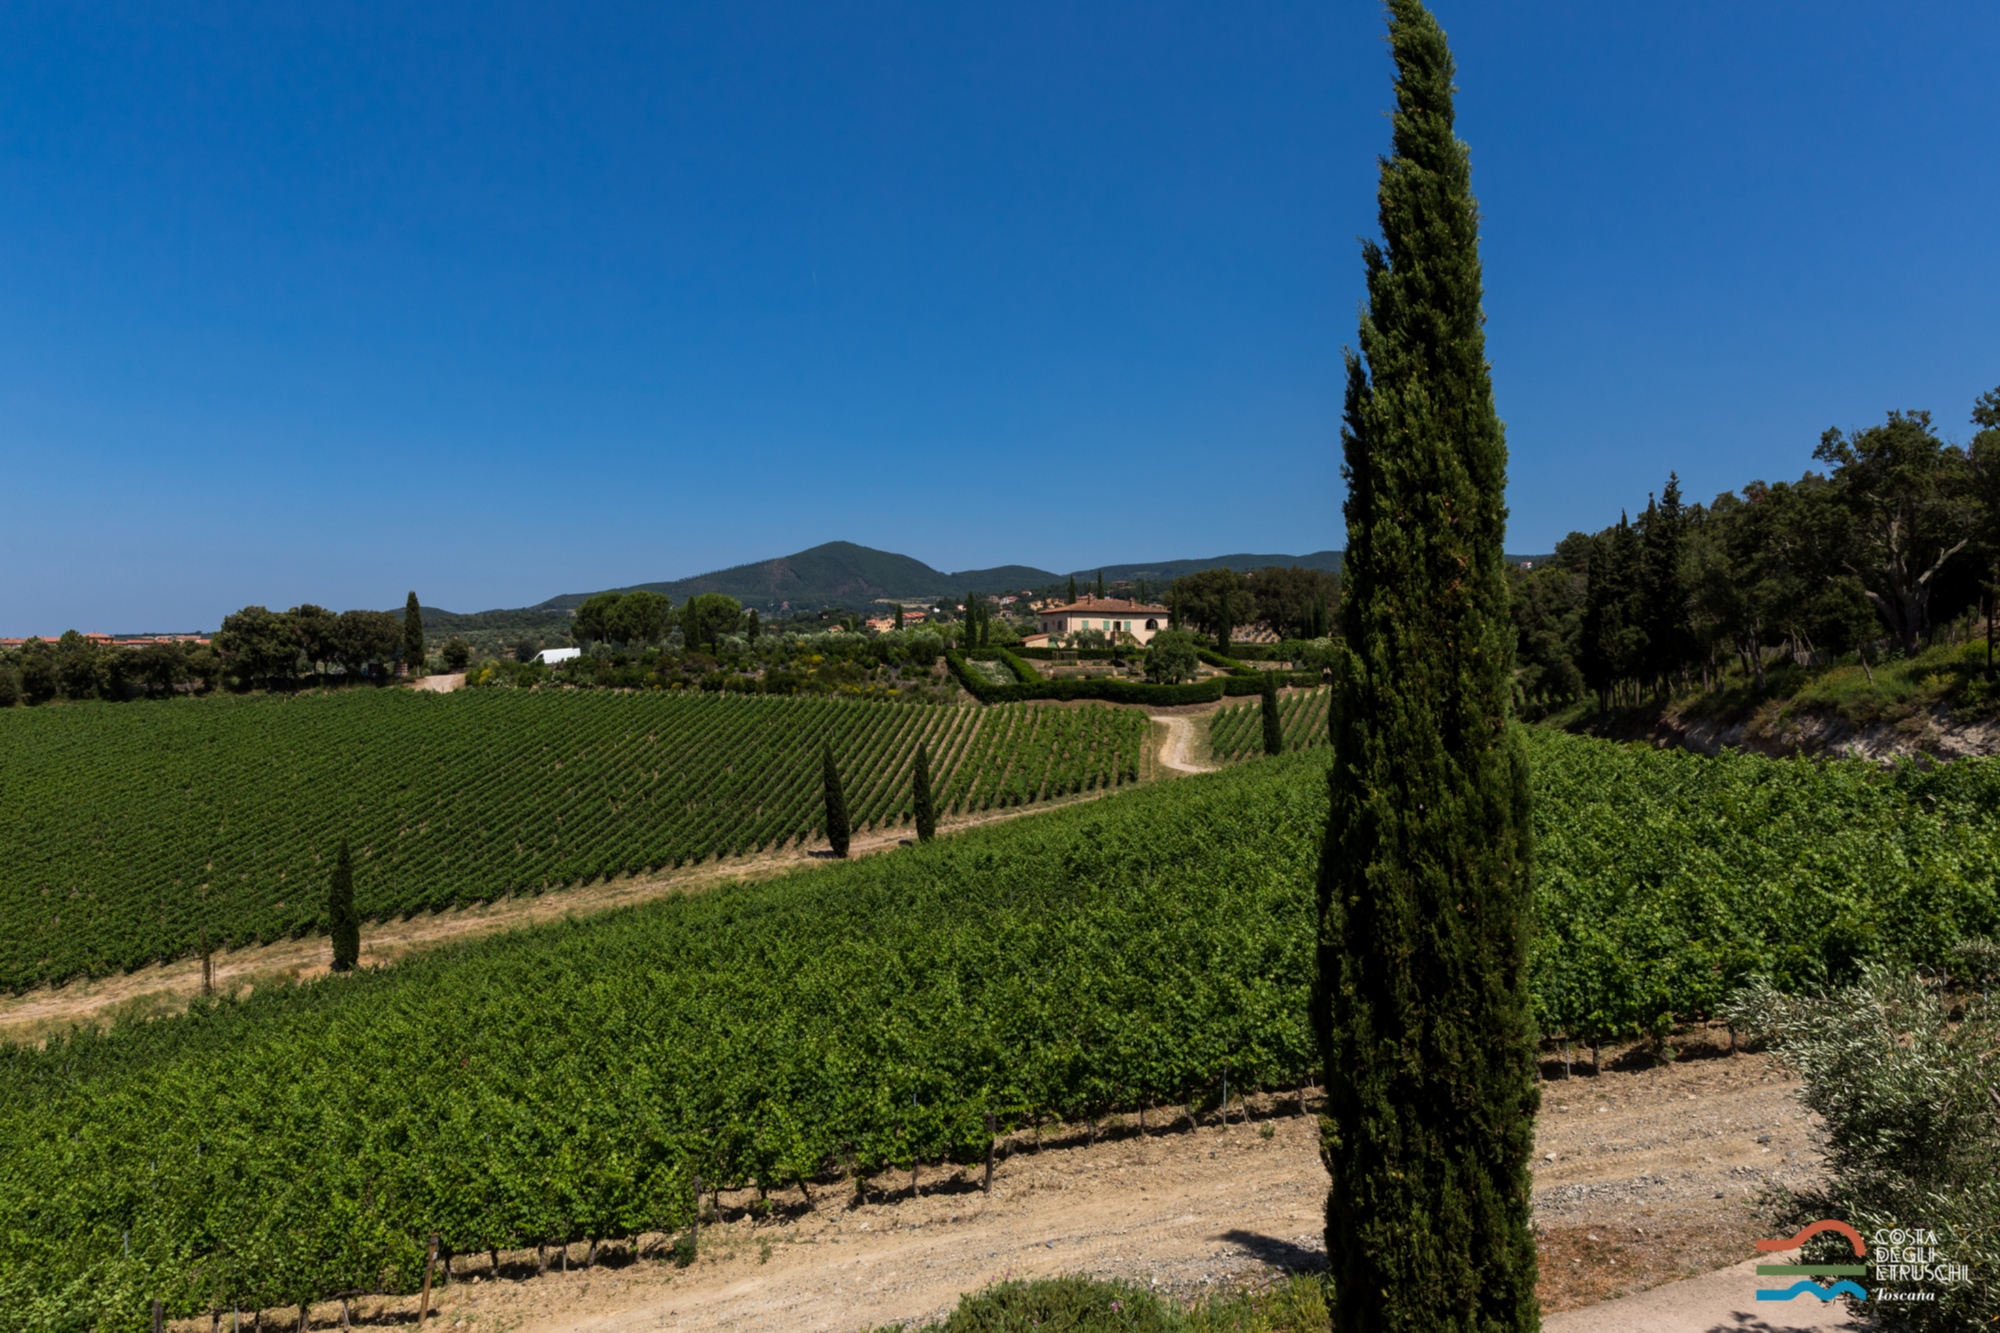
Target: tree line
(1897, 539)
(1291, 602)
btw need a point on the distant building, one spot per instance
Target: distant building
(1112, 616)
(557, 656)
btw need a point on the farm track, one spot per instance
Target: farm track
(162, 989)
(1659, 1185)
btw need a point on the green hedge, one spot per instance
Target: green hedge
(1110, 691)
(1081, 654)
(1236, 686)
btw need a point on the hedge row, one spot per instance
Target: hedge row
(1110, 691)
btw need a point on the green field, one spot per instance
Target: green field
(132, 831)
(571, 1080)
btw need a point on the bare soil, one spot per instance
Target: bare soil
(1643, 1175)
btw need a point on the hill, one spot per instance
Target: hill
(848, 575)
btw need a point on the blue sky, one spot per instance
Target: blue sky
(328, 302)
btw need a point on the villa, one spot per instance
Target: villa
(1109, 615)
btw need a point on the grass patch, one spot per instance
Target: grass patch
(1090, 1305)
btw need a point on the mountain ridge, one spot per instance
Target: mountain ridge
(849, 575)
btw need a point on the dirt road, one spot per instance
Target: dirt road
(1177, 751)
(1657, 1185)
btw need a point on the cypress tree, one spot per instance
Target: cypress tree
(343, 923)
(1274, 726)
(1072, 589)
(413, 636)
(1663, 589)
(836, 806)
(899, 615)
(1100, 583)
(1420, 997)
(926, 808)
(756, 628)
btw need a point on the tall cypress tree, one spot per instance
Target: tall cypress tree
(1072, 588)
(413, 636)
(1274, 726)
(899, 615)
(343, 923)
(836, 806)
(1663, 588)
(926, 807)
(1420, 999)
(1100, 583)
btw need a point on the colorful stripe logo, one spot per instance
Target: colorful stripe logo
(1843, 1287)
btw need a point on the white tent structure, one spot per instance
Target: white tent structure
(552, 656)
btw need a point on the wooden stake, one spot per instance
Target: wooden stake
(159, 1317)
(430, 1261)
(345, 1326)
(989, 1151)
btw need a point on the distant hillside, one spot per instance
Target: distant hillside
(843, 574)
(835, 574)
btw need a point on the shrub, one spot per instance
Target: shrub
(1910, 1137)
(1171, 657)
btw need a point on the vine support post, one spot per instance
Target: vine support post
(430, 1262)
(697, 1212)
(990, 1129)
(159, 1317)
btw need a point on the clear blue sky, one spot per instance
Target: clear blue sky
(498, 302)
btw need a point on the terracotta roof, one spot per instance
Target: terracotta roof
(1104, 606)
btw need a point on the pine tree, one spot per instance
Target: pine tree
(1274, 726)
(926, 807)
(836, 807)
(413, 636)
(343, 923)
(1420, 1000)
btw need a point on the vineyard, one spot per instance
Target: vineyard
(573, 1081)
(1237, 732)
(135, 833)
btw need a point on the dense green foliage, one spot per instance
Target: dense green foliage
(1274, 726)
(835, 822)
(923, 804)
(1420, 1000)
(1664, 878)
(343, 918)
(570, 1081)
(1884, 552)
(130, 830)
